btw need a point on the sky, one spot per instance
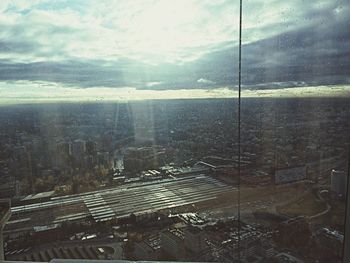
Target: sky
(51, 48)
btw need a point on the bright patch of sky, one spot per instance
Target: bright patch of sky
(152, 31)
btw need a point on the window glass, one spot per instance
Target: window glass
(294, 128)
(123, 134)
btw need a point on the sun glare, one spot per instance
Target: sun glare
(167, 28)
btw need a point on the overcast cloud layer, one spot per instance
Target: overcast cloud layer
(184, 44)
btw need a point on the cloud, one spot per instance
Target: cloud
(205, 81)
(183, 45)
(151, 31)
(153, 83)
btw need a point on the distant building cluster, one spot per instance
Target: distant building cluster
(210, 242)
(161, 183)
(143, 158)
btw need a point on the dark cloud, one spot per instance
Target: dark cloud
(311, 55)
(17, 47)
(76, 73)
(315, 55)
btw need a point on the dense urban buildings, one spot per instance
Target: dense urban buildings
(102, 192)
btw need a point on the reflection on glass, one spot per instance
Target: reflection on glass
(118, 131)
(294, 135)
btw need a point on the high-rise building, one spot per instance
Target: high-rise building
(91, 147)
(20, 156)
(64, 149)
(78, 149)
(338, 183)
